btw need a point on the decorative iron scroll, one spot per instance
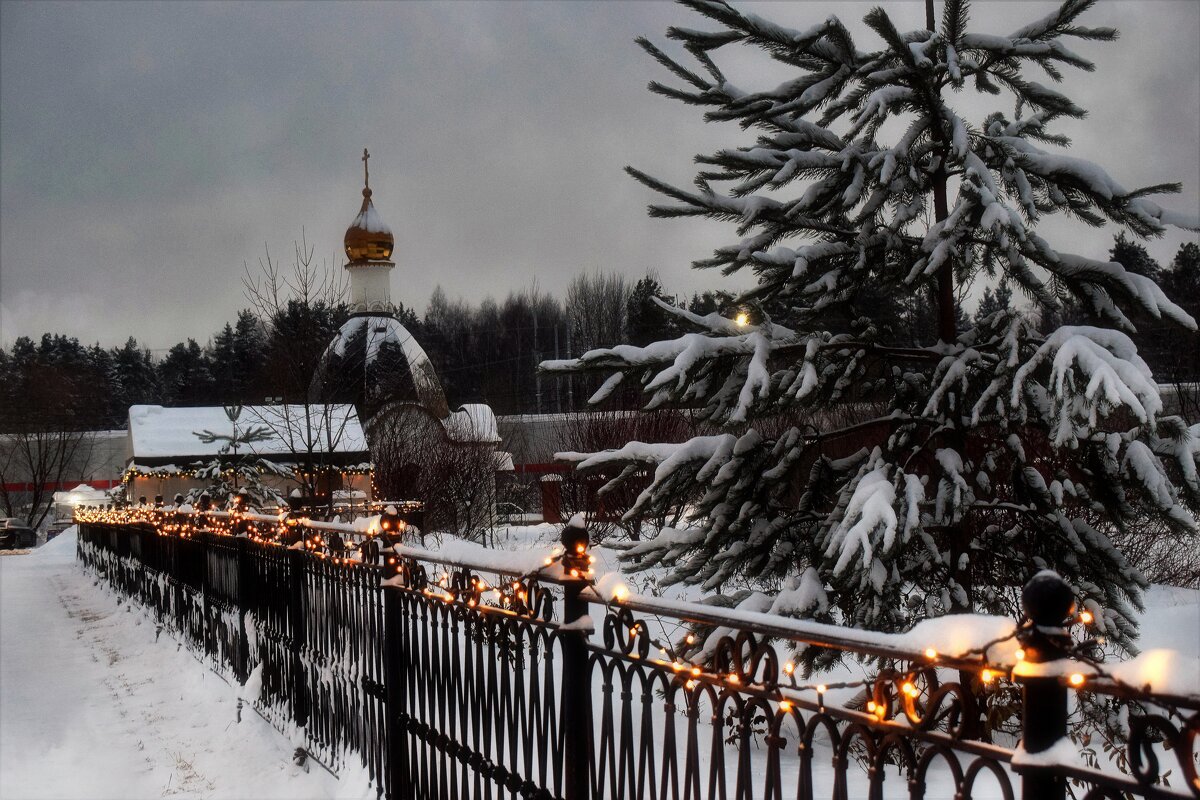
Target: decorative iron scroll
(472, 705)
(1147, 730)
(925, 702)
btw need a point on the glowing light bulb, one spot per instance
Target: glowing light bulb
(930, 653)
(742, 319)
(789, 668)
(1019, 654)
(785, 705)
(1076, 679)
(987, 676)
(620, 592)
(1086, 617)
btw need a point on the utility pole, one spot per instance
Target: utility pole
(570, 376)
(537, 358)
(557, 381)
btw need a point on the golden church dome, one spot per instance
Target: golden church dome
(368, 238)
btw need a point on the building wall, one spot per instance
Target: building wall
(99, 461)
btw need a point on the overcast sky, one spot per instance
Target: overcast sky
(147, 151)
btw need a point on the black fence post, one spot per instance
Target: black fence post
(242, 656)
(576, 671)
(296, 564)
(1047, 601)
(206, 612)
(396, 773)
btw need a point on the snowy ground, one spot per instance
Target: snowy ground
(92, 707)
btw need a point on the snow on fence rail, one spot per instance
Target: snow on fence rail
(468, 672)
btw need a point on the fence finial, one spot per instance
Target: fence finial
(1047, 599)
(575, 543)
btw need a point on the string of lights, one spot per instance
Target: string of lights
(348, 546)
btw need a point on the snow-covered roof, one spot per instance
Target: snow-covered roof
(369, 220)
(159, 432)
(474, 422)
(378, 353)
(82, 493)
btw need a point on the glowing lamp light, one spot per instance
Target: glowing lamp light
(695, 670)
(1019, 654)
(620, 593)
(931, 654)
(1076, 679)
(910, 689)
(871, 706)
(789, 668)
(821, 689)
(574, 540)
(987, 676)
(733, 678)
(1086, 617)
(742, 319)
(785, 705)
(690, 638)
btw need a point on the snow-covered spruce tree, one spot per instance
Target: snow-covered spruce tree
(232, 471)
(919, 478)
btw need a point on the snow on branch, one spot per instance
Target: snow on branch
(871, 519)
(1142, 465)
(1105, 365)
(699, 456)
(1113, 276)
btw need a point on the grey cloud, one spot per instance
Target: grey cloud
(147, 151)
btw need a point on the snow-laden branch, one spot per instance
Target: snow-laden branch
(1093, 371)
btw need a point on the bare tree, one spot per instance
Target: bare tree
(34, 463)
(418, 457)
(596, 311)
(596, 308)
(593, 432)
(301, 309)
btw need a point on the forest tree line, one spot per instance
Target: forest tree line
(487, 352)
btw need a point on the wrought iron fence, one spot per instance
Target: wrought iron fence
(472, 674)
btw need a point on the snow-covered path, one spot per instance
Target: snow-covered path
(92, 707)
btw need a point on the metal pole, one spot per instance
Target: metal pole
(296, 559)
(242, 662)
(576, 674)
(396, 772)
(1047, 601)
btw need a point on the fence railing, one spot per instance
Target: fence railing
(462, 672)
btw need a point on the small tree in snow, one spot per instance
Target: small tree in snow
(1001, 451)
(233, 470)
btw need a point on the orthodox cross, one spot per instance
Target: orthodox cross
(366, 174)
